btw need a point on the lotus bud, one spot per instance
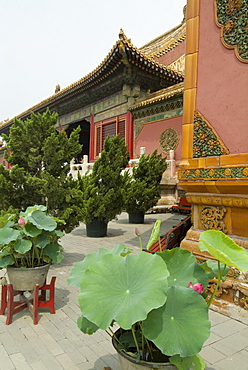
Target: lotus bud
(199, 288)
(137, 232)
(21, 221)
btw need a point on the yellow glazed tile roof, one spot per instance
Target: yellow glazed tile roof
(160, 95)
(166, 42)
(122, 52)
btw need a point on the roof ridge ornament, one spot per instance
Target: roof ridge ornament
(122, 35)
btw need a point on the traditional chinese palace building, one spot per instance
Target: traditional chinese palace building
(130, 90)
(184, 91)
(137, 93)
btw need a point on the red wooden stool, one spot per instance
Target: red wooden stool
(38, 300)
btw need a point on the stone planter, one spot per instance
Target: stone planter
(96, 229)
(129, 363)
(136, 217)
(25, 279)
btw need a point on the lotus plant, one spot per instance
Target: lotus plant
(30, 241)
(159, 300)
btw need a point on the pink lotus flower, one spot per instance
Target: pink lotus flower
(21, 221)
(197, 287)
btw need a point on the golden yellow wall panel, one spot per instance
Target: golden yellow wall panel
(193, 8)
(192, 35)
(194, 162)
(212, 161)
(211, 187)
(187, 135)
(225, 187)
(190, 78)
(240, 221)
(188, 106)
(202, 162)
(234, 159)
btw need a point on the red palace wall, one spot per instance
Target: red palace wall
(150, 134)
(222, 84)
(4, 162)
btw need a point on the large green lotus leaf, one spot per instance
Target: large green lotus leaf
(183, 268)
(123, 289)
(6, 261)
(8, 235)
(42, 239)
(52, 251)
(31, 209)
(31, 230)
(181, 326)
(42, 221)
(86, 326)
(224, 249)
(190, 362)
(211, 268)
(5, 251)
(22, 246)
(5, 220)
(78, 268)
(9, 224)
(154, 235)
(59, 233)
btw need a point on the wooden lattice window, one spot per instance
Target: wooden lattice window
(109, 129)
(122, 129)
(98, 140)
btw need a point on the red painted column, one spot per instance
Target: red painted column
(129, 133)
(92, 138)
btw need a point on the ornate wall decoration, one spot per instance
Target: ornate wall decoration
(212, 218)
(179, 64)
(215, 200)
(137, 130)
(151, 110)
(206, 141)
(215, 173)
(168, 140)
(232, 18)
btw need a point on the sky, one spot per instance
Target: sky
(49, 42)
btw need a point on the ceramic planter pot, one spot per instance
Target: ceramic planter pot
(136, 217)
(96, 229)
(129, 363)
(25, 279)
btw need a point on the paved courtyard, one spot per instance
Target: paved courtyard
(56, 343)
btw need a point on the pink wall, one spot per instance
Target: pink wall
(222, 85)
(172, 55)
(150, 134)
(3, 161)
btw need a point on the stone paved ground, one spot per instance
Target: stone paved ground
(56, 343)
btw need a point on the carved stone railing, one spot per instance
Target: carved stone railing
(85, 167)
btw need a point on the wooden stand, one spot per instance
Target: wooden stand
(38, 300)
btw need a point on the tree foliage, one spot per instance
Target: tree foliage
(40, 158)
(142, 186)
(101, 192)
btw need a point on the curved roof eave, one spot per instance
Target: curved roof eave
(164, 94)
(122, 52)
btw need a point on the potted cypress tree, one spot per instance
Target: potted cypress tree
(142, 186)
(39, 156)
(100, 193)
